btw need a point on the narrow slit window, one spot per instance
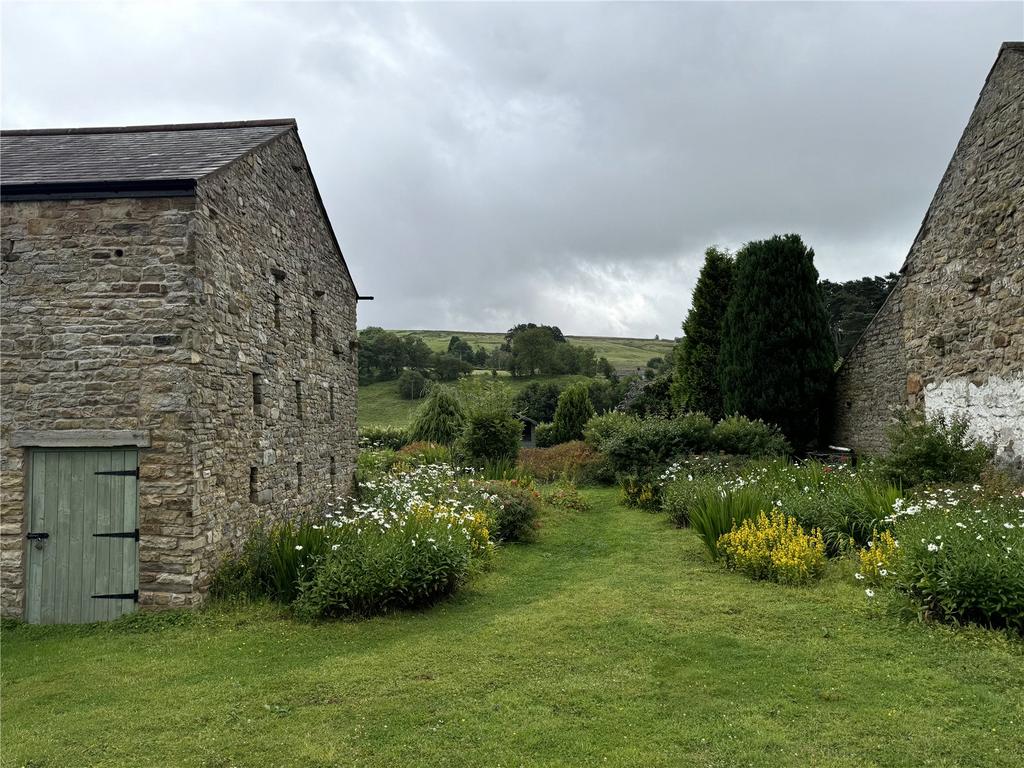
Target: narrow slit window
(257, 391)
(298, 399)
(277, 310)
(298, 475)
(254, 489)
(334, 471)
(330, 400)
(312, 324)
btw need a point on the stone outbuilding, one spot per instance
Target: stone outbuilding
(178, 359)
(949, 339)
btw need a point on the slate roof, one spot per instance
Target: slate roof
(132, 154)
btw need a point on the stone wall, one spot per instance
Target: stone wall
(97, 312)
(155, 314)
(267, 251)
(872, 381)
(951, 338)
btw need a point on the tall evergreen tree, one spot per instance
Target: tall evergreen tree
(696, 384)
(572, 413)
(777, 353)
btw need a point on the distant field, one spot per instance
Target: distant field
(379, 404)
(621, 353)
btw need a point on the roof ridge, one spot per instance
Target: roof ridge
(283, 122)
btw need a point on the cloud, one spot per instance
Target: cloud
(488, 164)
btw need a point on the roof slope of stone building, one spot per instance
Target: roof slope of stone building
(131, 161)
(950, 337)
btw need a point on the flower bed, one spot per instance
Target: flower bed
(414, 535)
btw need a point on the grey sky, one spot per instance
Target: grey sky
(490, 164)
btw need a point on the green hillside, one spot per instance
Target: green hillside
(621, 352)
(380, 405)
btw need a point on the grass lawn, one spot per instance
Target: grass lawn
(621, 352)
(609, 642)
(379, 404)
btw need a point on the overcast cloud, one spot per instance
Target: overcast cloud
(490, 164)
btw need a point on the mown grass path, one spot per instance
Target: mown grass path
(609, 642)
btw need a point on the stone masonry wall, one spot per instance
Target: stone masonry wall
(269, 273)
(872, 380)
(957, 339)
(97, 309)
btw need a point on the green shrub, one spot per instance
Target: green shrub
(513, 511)
(412, 385)
(745, 437)
(491, 435)
(425, 453)
(714, 511)
(374, 568)
(642, 445)
(606, 426)
(441, 419)
(573, 412)
(545, 435)
(375, 438)
(937, 450)
(962, 560)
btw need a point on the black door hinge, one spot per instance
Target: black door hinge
(121, 473)
(36, 536)
(120, 535)
(119, 596)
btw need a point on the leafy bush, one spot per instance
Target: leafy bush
(412, 385)
(545, 435)
(713, 511)
(514, 510)
(383, 562)
(744, 437)
(491, 435)
(425, 453)
(566, 495)
(376, 438)
(775, 548)
(574, 460)
(604, 427)
(441, 419)
(573, 412)
(961, 560)
(934, 450)
(640, 445)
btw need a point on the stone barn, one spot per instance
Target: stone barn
(950, 337)
(178, 327)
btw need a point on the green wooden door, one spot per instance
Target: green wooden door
(78, 497)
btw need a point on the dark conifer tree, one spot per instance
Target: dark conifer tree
(696, 384)
(777, 353)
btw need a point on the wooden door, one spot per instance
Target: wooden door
(83, 540)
